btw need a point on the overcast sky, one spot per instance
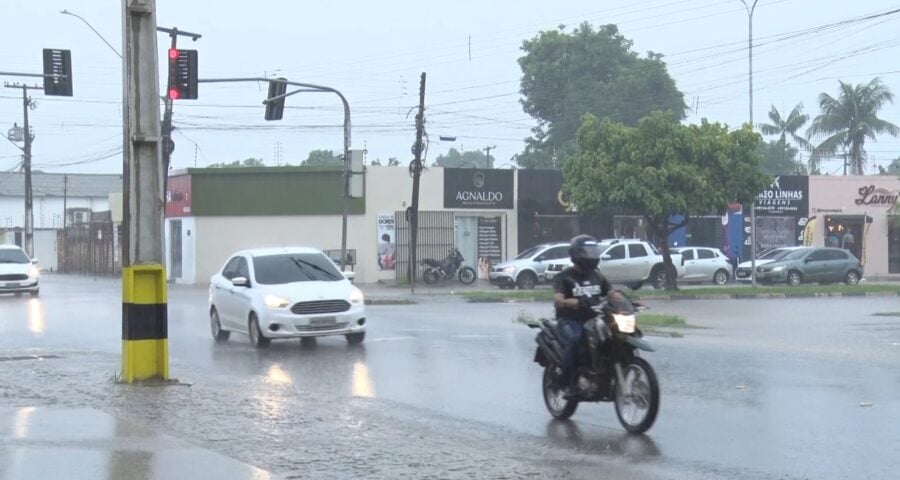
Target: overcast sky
(374, 52)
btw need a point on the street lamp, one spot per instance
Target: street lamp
(750, 10)
(66, 12)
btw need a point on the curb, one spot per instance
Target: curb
(389, 301)
(723, 296)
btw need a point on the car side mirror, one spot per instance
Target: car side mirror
(539, 259)
(349, 275)
(240, 282)
(34, 261)
(606, 257)
(807, 260)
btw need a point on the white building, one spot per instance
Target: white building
(55, 196)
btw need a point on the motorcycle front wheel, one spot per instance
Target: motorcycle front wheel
(556, 403)
(431, 276)
(637, 410)
(467, 275)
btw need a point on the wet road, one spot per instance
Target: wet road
(770, 389)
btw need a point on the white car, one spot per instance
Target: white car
(703, 264)
(18, 273)
(743, 271)
(282, 293)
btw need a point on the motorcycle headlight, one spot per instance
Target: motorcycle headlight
(274, 301)
(625, 323)
(778, 269)
(356, 296)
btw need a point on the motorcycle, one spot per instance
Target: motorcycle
(608, 368)
(450, 267)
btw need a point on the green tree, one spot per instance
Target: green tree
(456, 159)
(323, 158)
(787, 127)
(849, 120)
(391, 162)
(892, 169)
(662, 168)
(779, 159)
(565, 75)
(249, 162)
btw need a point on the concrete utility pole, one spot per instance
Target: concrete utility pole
(416, 168)
(490, 161)
(144, 310)
(750, 10)
(27, 104)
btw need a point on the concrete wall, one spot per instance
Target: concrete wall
(837, 195)
(48, 211)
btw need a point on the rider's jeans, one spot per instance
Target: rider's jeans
(570, 332)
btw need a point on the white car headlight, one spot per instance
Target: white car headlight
(356, 296)
(274, 301)
(33, 272)
(778, 269)
(508, 270)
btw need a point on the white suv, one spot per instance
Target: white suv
(628, 262)
(529, 267)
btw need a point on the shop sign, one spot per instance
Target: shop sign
(876, 197)
(478, 189)
(788, 195)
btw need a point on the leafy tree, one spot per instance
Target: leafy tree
(391, 162)
(323, 158)
(662, 168)
(470, 159)
(249, 162)
(779, 159)
(892, 169)
(787, 127)
(847, 121)
(565, 75)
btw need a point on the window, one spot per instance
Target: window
(295, 267)
(705, 254)
(242, 269)
(837, 255)
(616, 253)
(818, 256)
(13, 255)
(555, 253)
(687, 254)
(231, 268)
(636, 250)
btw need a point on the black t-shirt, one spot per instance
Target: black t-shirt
(574, 284)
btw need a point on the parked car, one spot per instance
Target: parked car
(743, 271)
(18, 273)
(284, 293)
(703, 264)
(529, 267)
(627, 262)
(812, 264)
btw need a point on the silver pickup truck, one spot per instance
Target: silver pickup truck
(627, 262)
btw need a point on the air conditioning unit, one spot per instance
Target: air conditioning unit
(81, 217)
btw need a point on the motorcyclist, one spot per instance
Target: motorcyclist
(577, 289)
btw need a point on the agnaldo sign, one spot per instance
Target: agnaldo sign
(787, 195)
(478, 189)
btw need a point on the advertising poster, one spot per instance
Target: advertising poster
(387, 244)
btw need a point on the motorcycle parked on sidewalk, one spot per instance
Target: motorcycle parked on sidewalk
(608, 368)
(447, 269)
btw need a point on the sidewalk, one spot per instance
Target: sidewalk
(81, 443)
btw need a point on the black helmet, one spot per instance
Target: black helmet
(585, 252)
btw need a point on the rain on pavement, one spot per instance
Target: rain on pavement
(789, 388)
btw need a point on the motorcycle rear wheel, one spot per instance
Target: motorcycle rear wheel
(558, 406)
(637, 411)
(467, 275)
(431, 276)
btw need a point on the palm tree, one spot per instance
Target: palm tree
(850, 119)
(785, 127)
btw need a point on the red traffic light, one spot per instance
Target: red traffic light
(173, 94)
(173, 53)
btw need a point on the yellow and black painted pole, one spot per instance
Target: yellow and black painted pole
(145, 347)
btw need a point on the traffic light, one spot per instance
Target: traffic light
(275, 108)
(182, 74)
(58, 62)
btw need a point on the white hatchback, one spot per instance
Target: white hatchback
(284, 293)
(18, 273)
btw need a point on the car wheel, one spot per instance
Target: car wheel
(852, 278)
(794, 278)
(355, 338)
(35, 293)
(256, 336)
(720, 277)
(658, 277)
(215, 327)
(526, 280)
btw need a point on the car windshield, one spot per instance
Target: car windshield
(13, 255)
(295, 267)
(794, 254)
(528, 253)
(774, 254)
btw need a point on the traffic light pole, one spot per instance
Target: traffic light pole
(28, 241)
(309, 87)
(145, 353)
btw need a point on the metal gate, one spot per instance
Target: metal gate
(88, 248)
(436, 236)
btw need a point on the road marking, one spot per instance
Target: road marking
(389, 339)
